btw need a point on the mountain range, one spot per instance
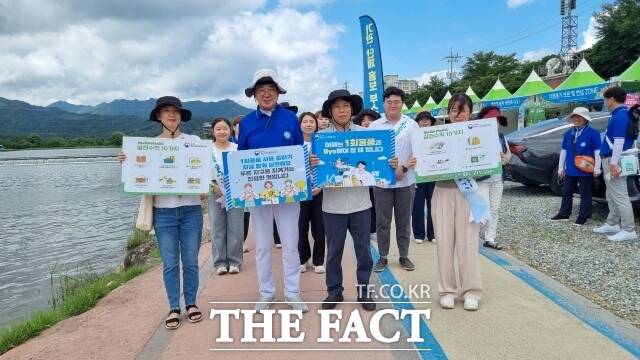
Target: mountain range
(18, 118)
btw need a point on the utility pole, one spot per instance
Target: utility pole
(345, 85)
(452, 59)
(569, 40)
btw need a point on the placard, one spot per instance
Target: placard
(277, 175)
(458, 150)
(354, 158)
(156, 166)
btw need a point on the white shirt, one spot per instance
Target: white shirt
(174, 201)
(403, 128)
(218, 168)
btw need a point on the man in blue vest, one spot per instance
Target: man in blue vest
(617, 140)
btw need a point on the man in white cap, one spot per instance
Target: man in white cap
(272, 125)
(579, 164)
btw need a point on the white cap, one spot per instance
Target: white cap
(266, 75)
(582, 112)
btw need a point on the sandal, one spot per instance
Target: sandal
(172, 321)
(492, 245)
(193, 314)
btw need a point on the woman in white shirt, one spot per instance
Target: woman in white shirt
(177, 221)
(226, 225)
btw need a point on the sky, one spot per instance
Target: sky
(93, 51)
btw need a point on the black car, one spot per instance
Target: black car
(536, 151)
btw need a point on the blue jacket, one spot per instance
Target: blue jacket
(258, 130)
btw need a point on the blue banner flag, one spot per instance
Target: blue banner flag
(354, 158)
(373, 84)
(509, 103)
(580, 94)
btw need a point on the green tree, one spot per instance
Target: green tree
(482, 69)
(116, 138)
(619, 33)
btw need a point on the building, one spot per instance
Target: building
(408, 86)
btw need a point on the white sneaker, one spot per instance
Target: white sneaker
(319, 269)
(418, 241)
(245, 249)
(447, 302)
(296, 303)
(303, 268)
(623, 236)
(278, 246)
(471, 304)
(221, 270)
(607, 229)
(234, 269)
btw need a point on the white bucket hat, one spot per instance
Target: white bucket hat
(583, 112)
(264, 76)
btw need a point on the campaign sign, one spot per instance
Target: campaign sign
(156, 166)
(353, 158)
(277, 175)
(456, 151)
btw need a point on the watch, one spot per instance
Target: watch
(404, 169)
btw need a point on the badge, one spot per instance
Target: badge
(287, 135)
(583, 144)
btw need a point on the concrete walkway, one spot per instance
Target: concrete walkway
(523, 315)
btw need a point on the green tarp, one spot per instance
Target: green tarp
(632, 73)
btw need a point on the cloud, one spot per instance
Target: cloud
(590, 36)
(535, 55)
(425, 77)
(210, 55)
(517, 3)
(303, 3)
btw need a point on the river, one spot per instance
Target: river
(61, 206)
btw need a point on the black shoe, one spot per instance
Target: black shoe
(380, 265)
(331, 301)
(367, 303)
(580, 221)
(560, 217)
(407, 264)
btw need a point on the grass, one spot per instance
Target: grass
(72, 295)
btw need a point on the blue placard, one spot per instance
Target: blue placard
(354, 158)
(373, 82)
(257, 177)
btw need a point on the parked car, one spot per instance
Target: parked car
(536, 151)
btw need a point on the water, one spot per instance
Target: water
(68, 212)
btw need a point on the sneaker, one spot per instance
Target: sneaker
(234, 269)
(418, 241)
(278, 246)
(380, 265)
(303, 268)
(433, 240)
(245, 249)
(580, 221)
(623, 236)
(607, 229)
(297, 303)
(367, 303)
(560, 217)
(221, 270)
(447, 302)
(265, 302)
(407, 264)
(471, 304)
(331, 301)
(319, 269)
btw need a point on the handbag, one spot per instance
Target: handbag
(144, 220)
(584, 163)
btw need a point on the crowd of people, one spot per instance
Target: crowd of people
(459, 213)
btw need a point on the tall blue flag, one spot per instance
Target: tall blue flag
(372, 65)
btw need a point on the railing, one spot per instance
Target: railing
(58, 160)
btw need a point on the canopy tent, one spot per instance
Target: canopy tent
(429, 105)
(415, 108)
(583, 85)
(497, 92)
(472, 95)
(405, 109)
(534, 85)
(632, 73)
(501, 97)
(444, 103)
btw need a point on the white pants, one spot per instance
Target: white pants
(491, 191)
(286, 217)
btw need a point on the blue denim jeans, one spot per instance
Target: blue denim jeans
(179, 232)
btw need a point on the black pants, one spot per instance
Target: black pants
(373, 211)
(358, 224)
(424, 192)
(247, 217)
(311, 212)
(586, 186)
(276, 236)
